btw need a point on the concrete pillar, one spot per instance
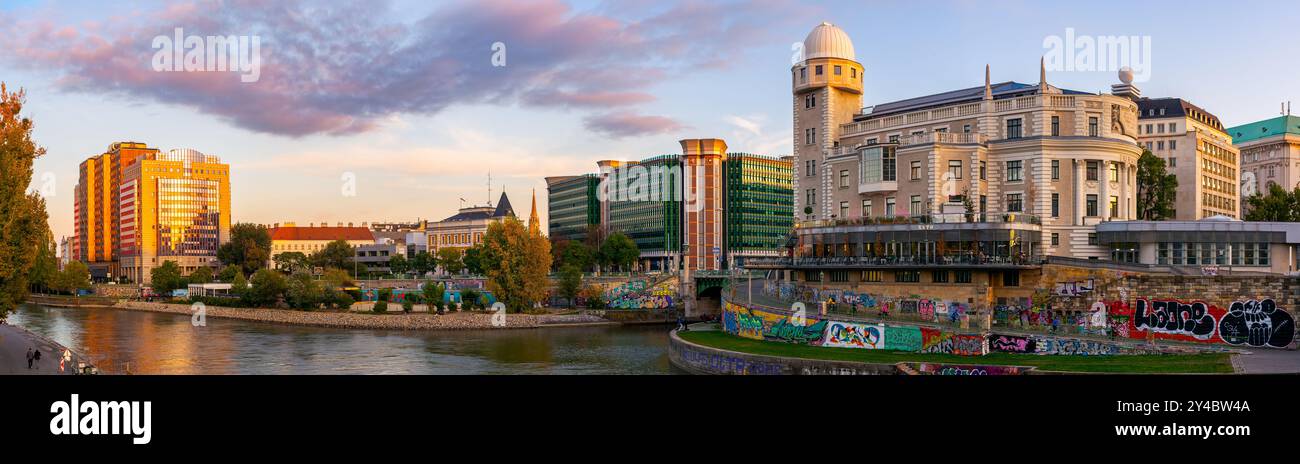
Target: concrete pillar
(1124, 212)
(1079, 183)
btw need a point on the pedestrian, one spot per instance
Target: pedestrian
(37, 357)
(1056, 323)
(29, 358)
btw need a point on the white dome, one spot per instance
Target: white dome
(828, 41)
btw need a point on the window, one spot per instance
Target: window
(889, 206)
(984, 203)
(1056, 126)
(1092, 239)
(893, 138)
(866, 208)
(872, 141)
(1114, 172)
(916, 205)
(888, 165)
(1056, 169)
(1056, 239)
(1114, 206)
(1011, 278)
(844, 178)
(1160, 128)
(809, 135)
(965, 129)
(1092, 170)
(871, 276)
(810, 168)
(984, 170)
(1092, 205)
(818, 70)
(812, 276)
(916, 170)
(803, 74)
(1173, 162)
(810, 101)
(1014, 171)
(1173, 144)
(907, 276)
(1093, 129)
(1160, 145)
(1173, 127)
(839, 276)
(810, 197)
(1014, 202)
(853, 73)
(839, 70)
(939, 277)
(963, 277)
(954, 168)
(1013, 128)
(1056, 205)
(844, 209)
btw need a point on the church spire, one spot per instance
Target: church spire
(534, 224)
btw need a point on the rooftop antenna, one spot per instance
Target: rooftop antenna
(489, 187)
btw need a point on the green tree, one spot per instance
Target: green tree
(1278, 205)
(228, 273)
(570, 252)
(291, 262)
(398, 264)
(74, 276)
(433, 294)
(450, 260)
(474, 259)
(516, 263)
(166, 278)
(303, 292)
(338, 278)
(469, 299)
(618, 250)
(337, 254)
(266, 288)
(1156, 188)
(570, 282)
(202, 275)
(45, 271)
(423, 263)
(239, 285)
(249, 247)
(23, 220)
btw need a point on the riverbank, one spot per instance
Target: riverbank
(14, 343)
(347, 320)
(708, 352)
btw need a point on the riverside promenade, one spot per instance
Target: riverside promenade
(14, 343)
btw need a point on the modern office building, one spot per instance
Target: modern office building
(573, 206)
(1197, 150)
(375, 257)
(174, 206)
(96, 204)
(704, 209)
(1207, 246)
(1066, 157)
(1270, 154)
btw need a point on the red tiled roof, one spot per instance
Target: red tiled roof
(321, 233)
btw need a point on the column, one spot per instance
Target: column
(1124, 212)
(1103, 174)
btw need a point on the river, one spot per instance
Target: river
(119, 341)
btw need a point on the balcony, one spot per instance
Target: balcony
(953, 218)
(952, 138)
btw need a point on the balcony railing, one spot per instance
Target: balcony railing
(968, 109)
(952, 259)
(950, 218)
(944, 137)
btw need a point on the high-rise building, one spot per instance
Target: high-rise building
(1198, 151)
(572, 206)
(96, 204)
(705, 209)
(1270, 154)
(175, 206)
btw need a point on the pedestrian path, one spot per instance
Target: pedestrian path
(14, 343)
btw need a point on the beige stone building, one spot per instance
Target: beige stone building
(1064, 157)
(1270, 154)
(1198, 150)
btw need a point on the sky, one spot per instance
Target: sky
(412, 101)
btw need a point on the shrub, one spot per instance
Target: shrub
(381, 307)
(470, 297)
(407, 304)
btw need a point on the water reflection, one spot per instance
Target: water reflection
(152, 343)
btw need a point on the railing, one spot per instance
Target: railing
(952, 259)
(947, 218)
(944, 137)
(968, 109)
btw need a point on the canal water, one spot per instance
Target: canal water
(154, 343)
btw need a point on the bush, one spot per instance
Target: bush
(381, 307)
(407, 304)
(470, 298)
(385, 294)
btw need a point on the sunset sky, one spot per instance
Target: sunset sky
(404, 95)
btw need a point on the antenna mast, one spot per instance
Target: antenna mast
(489, 187)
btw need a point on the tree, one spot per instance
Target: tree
(570, 282)
(570, 252)
(618, 250)
(469, 299)
(398, 264)
(473, 259)
(166, 278)
(338, 278)
(423, 263)
(433, 294)
(202, 275)
(239, 285)
(1278, 205)
(266, 288)
(229, 272)
(450, 260)
(45, 271)
(1156, 189)
(337, 254)
(23, 220)
(249, 247)
(303, 292)
(291, 262)
(74, 276)
(516, 263)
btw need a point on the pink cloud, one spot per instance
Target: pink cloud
(626, 124)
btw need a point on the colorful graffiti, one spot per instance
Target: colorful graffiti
(1011, 344)
(1074, 347)
(1175, 320)
(1252, 323)
(640, 294)
(762, 325)
(935, 341)
(903, 338)
(850, 335)
(1074, 288)
(962, 369)
(785, 331)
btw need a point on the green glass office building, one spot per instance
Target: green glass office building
(573, 206)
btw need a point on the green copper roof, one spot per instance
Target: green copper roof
(1264, 129)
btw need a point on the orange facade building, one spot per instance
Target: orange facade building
(174, 206)
(95, 207)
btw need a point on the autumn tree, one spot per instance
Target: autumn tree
(516, 263)
(249, 247)
(24, 223)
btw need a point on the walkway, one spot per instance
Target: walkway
(14, 342)
(1266, 361)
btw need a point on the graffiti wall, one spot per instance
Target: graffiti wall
(936, 341)
(641, 294)
(757, 324)
(851, 335)
(960, 369)
(1249, 323)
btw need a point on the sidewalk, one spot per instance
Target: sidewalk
(14, 342)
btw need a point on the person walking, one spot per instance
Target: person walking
(29, 358)
(37, 356)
